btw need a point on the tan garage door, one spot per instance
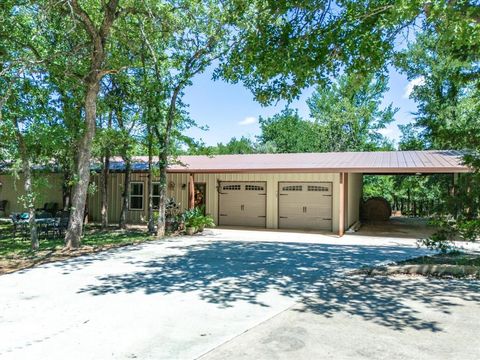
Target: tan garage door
(242, 203)
(305, 205)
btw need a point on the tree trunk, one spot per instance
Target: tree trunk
(151, 220)
(75, 225)
(104, 178)
(104, 187)
(163, 161)
(67, 191)
(98, 37)
(27, 184)
(409, 208)
(126, 193)
(31, 204)
(162, 198)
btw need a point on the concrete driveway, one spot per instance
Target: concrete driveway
(233, 294)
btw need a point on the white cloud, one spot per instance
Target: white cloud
(415, 82)
(249, 120)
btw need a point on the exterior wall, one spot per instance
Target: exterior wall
(354, 196)
(272, 180)
(12, 189)
(179, 190)
(49, 190)
(115, 190)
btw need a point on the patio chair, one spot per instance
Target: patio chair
(61, 223)
(43, 225)
(20, 224)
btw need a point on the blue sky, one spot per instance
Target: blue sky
(230, 110)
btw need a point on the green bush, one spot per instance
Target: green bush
(449, 230)
(195, 218)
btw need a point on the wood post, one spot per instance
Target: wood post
(341, 200)
(345, 199)
(454, 184)
(191, 192)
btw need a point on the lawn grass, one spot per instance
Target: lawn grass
(16, 253)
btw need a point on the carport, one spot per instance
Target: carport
(414, 164)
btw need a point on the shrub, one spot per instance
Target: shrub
(449, 230)
(195, 218)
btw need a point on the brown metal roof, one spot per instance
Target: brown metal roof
(382, 162)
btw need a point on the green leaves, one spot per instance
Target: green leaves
(287, 132)
(348, 116)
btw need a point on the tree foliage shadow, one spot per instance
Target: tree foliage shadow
(224, 272)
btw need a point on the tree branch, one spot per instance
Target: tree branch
(84, 18)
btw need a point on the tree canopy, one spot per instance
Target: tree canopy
(83, 80)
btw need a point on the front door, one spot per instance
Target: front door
(200, 195)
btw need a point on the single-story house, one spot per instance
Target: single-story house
(311, 191)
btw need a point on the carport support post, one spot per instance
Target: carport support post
(454, 184)
(341, 200)
(191, 192)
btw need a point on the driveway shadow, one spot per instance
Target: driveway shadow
(223, 273)
(394, 302)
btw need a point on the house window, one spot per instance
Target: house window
(156, 195)
(136, 196)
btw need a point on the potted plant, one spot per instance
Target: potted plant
(190, 229)
(205, 221)
(191, 220)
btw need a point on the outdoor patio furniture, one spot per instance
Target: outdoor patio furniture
(61, 223)
(46, 224)
(44, 221)
(20, 224)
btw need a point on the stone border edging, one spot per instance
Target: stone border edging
(442, 270)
